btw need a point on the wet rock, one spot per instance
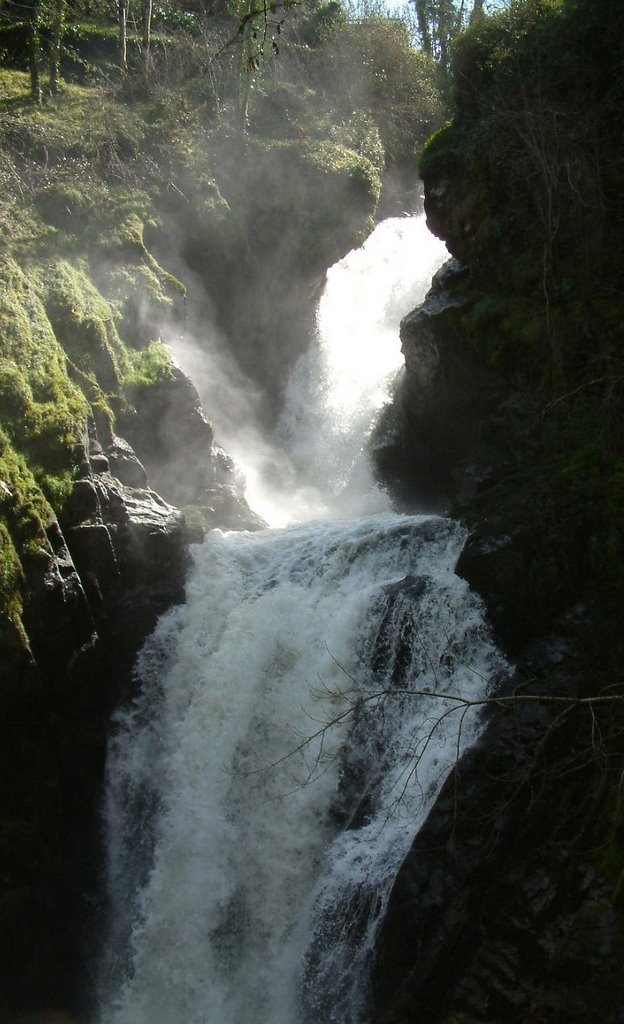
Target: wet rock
(173, 438)
(124, 464)
(131, 549)
(454, 212)
(55, 595)
(99, 463)
(451, 427)
(117, 563)
(223, 507)
(488, 896)
(45, 1017)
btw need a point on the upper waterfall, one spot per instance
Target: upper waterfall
(315, 465)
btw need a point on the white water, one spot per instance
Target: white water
(263, 791)
(316, 465)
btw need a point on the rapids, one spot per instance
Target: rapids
(291, 729)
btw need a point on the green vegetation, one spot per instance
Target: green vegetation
(532, 172)
(148, 367)
(26, 516)
(98, 178)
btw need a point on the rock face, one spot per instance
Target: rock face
(508, 907)
(119, 558)
(501, 912)
(170, 430)
(454, 419)
(447, 396)
(119, 563)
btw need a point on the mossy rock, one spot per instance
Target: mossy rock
(306, 203)
(43, 411)
(25, 518)
(145, 296)
(84, 323)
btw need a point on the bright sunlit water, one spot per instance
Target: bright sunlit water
(315, 465)
(268, 781)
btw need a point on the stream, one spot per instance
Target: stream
(295, 718)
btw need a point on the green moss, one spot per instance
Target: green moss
(43, 411)
(84, 323)
(25, 516)
(143, 294)
(440, 151)
(195, 520)
(507, 331)
(11, 582)
(345, 163)
(149, 367)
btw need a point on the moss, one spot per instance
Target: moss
(440, 151)
(525, 184)
(43, 411)
(142, 292)
(61, 204)
(25, 516)
(11, 584)
(345, 163)
(195, 520)
(148, 368)
(84, 323)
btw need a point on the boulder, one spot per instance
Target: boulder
(452, 424)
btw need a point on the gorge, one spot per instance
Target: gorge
(240, 775)
(265, 785)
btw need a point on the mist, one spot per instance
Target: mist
(313, 463)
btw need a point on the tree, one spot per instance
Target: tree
(122, 14)
(440, 21)
(58, 23)
(147, 33)
(34, 45)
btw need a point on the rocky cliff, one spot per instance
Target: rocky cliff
(508, 907)
(90, 592)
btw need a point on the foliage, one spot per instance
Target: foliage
(370, 66)
(89, 175)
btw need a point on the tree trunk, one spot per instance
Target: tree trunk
(477, 11)
(33, 52)
(423, 26)
(444, 34)
(147, 33)
(58, 24)
(123, 34)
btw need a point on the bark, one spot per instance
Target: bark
(58, 24)
(123, 35)
(147, 33)
(33, 53)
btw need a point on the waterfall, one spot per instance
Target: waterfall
(291, 730)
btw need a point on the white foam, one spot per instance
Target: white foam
(267, 783)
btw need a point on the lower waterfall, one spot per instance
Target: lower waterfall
(290, 735)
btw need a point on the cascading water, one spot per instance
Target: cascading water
(288, 739)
